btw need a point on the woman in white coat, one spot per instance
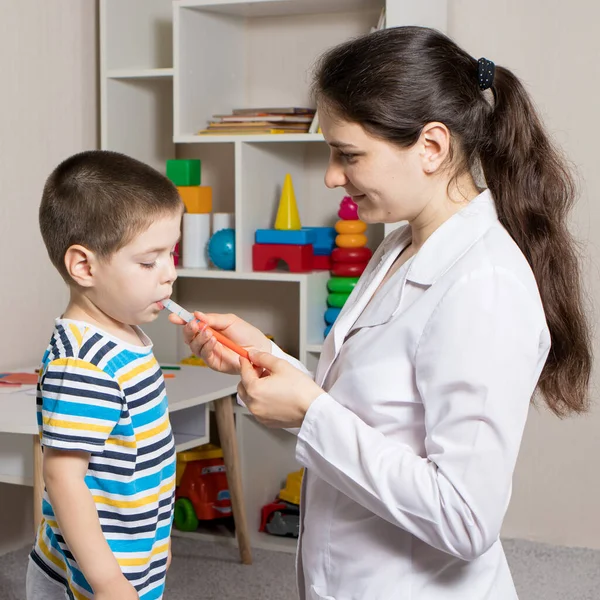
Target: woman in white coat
(410, 431)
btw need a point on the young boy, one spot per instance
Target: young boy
(110, 224)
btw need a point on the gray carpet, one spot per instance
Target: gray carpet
(205, 571)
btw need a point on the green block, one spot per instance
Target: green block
(184, 172)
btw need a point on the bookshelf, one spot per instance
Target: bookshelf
(166, 68)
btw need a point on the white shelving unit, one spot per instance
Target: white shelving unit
(166, 68)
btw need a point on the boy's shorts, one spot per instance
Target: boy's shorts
(39, 586)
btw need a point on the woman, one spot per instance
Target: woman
(410, 431)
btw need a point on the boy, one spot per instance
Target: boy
(110, 224)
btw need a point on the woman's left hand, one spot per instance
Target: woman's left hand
(275, 392)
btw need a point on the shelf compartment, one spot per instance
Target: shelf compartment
(137, 34)
(139, 73)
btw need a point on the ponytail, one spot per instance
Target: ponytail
(534, 192)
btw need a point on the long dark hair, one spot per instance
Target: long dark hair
(393, 82)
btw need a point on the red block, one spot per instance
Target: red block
(351, 255)
(322, 263)
(299, 258)
(348, 269)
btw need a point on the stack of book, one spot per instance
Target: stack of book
(260, 121)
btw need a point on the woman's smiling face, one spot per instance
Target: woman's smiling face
(388, 183)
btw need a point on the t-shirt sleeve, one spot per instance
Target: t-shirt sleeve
(81, 405)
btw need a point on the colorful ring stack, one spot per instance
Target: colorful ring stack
(349, 259)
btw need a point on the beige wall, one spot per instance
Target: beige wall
(48, 65)
(48, 110)
(554, 47)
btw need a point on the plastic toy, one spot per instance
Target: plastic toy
(342, 285)
(299, 258)
(351, 255)
(354, 226)
(324, 239)
(348, 269)
(221, 249)
(280, 236)
(287, 213)
(202, 493)
(184, 172)
(197, 198)
(282, 517)
(321, 263)
(337, 300)
(331, 314)
(348, 209)
(351, 240)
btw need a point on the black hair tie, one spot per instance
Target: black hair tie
(486, 70)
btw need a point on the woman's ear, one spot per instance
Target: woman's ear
(435, 146)
(80, 264)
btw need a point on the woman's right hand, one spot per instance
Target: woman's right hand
(215, 355)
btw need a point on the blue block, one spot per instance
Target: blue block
(324, 241)
(295, 237)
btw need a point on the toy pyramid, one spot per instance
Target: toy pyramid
(287, 213)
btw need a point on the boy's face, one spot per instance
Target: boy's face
(129, 285)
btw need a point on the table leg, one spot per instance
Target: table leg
(38, 483)
(227, 435)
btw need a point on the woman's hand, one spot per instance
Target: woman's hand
(214, 354)
(275, 392)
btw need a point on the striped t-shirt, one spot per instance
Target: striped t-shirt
(100, 395)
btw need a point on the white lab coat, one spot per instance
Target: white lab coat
(409, 454)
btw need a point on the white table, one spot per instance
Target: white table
(190, 393)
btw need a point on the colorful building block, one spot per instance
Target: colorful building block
(293, 237)
(299, 258)
(351, 255)
(197, 198)
(331, 314)
(184, 172)
(348, 269)
(287, 214)
(324, 239)
(321, 262)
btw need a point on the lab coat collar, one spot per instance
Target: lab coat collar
(452, 239)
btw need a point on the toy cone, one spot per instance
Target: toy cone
(287, 213)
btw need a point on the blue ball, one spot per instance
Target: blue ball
(221, 249)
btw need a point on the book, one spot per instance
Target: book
(275, 111)
(257, 124)
(273, 118)
(246, 131)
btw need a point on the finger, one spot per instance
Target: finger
(247, 372)
(241, 390)
(176, 319)
(266, 360)
(217, 321)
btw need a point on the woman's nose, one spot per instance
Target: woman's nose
(335, 176)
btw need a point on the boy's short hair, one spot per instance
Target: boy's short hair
(101, 200)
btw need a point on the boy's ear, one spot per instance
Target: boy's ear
(80, 263)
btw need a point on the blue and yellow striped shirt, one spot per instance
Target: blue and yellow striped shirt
(100, 395)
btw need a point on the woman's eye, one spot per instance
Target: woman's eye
(349, 158)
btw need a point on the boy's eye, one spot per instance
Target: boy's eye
(148, 265)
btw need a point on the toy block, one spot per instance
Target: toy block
(197, 198)
(327, 330)
(287, 213)
(343, 285)
(321, 262)
(282, 236)
(348, 209)
(324, 239)
(184, 172)
(298, 257)
(351, 255)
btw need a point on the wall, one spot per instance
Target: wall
(554, 48)
(48, 111)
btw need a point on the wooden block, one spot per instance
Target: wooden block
(184, 172)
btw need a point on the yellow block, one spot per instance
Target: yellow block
(197, 198)
(356, 226)
(351, 240)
